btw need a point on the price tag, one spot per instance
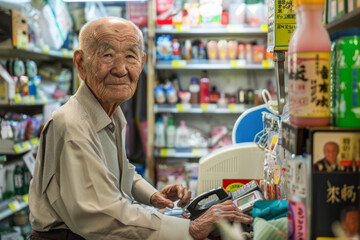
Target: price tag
(204, 107)
(264, 28)
(34, 141)
(18, 98)
(196, 152)
(45, 49)
(234, 28)
(179, 107)
(18, 148)
(182, 28)
(240, 63)
(178, 63)
(266, 64)
(14, 206)
(26, 100)
(277, 174)
(32, 99)
(64, 52)
(232, 107)
(26, 198)
(26, 145)
(163, 152)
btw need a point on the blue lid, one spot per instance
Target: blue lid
(194, 80)
(345, 33)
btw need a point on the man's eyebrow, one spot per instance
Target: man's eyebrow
(134, 47)
(105, 46)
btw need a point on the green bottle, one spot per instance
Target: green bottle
(348, 79)
(18, 180)
(27, 179)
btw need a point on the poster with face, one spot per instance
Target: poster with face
(336, 151)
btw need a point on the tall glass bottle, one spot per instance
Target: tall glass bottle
(310, 93)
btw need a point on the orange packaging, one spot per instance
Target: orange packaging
(258, 53)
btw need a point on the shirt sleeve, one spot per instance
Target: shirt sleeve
(91, 205)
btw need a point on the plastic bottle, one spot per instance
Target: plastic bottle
(18, 180)
(182, 135)
(187, 53)
(170, 133)
(159, 133)
(194, 89)
(291, 65)
(310, 93)
(204, 88)
(27, 179)
(214, 95)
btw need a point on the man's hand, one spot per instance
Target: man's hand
(201, 227)
(166, 196)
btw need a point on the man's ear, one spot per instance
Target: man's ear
(78, 60)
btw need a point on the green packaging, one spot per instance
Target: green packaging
(348, 79)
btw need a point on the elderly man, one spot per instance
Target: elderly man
(84, 186)
(328, 163)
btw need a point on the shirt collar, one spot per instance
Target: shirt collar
(99, 117)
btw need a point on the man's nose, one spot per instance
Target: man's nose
(119, 68)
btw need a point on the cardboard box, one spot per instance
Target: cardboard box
(7, 87)
(14, 25)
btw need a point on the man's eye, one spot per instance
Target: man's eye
(108, 55)
(130, 56)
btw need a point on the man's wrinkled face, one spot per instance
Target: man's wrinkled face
(114, 63)
(331, 151)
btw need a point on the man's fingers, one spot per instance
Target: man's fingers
(185, 199)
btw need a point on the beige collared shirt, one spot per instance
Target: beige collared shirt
(84, 182)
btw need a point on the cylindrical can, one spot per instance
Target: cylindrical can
(348, 80)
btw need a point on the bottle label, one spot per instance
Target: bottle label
(309, 85)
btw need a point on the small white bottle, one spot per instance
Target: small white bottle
(159, 133)
(170, 133)
(182, 135)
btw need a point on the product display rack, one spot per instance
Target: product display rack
(13, 205)
(351, 19)
(210, 32)
(9, 147)
(213, 65)
(180, 153)
(200, 108)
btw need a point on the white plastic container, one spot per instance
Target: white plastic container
(170, 133)
(182, 135)
(159, 133)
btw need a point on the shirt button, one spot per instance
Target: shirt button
(111, 126)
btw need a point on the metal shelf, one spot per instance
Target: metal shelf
(10, 147)
(31, 101)
(12, 205)
(213, 64)
(35, 53)
(351, 19)
(200, 108)
(181, 153)
(212, 30)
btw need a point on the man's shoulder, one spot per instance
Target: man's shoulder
(71, 118)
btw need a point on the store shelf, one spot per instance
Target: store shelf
(211, 30)
(12, 205)
(31, 101)
(10, 147)
(351, 19)
(213, 64)
(35, 53)
(200, 108)
(180, 153)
